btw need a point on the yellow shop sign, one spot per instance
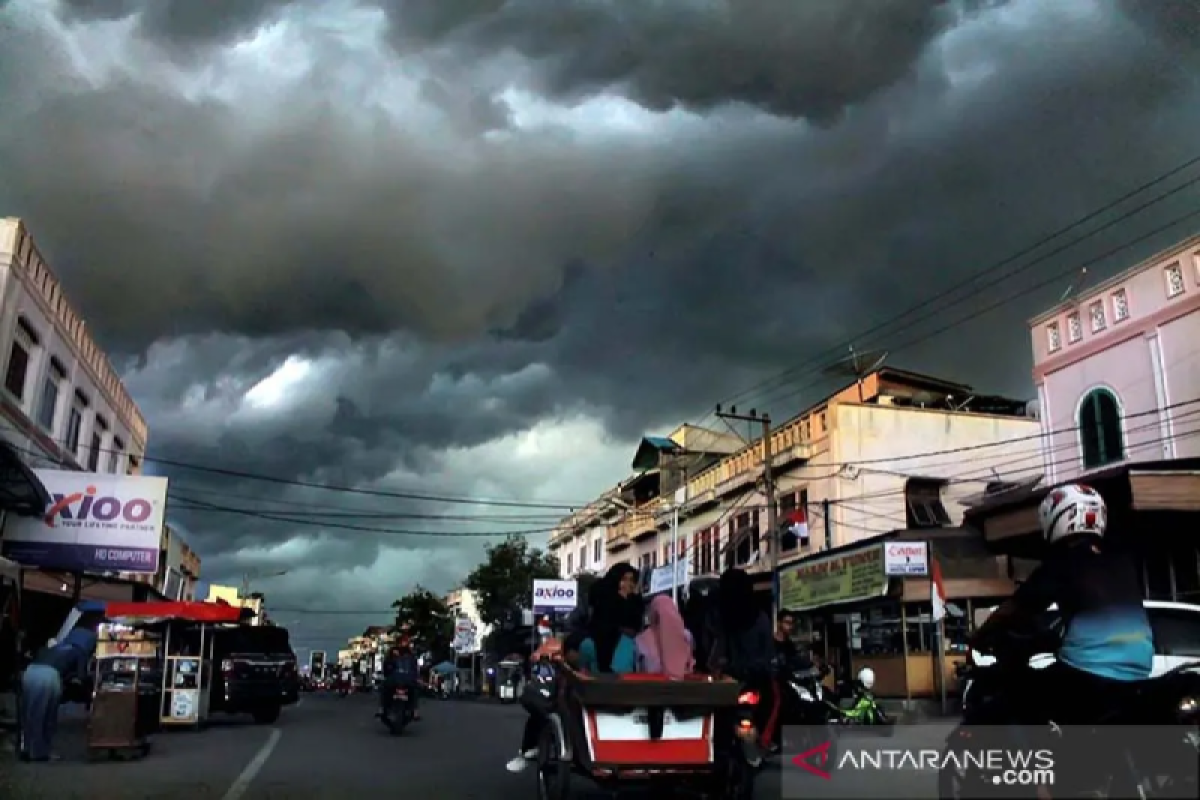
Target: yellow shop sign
(841, 578)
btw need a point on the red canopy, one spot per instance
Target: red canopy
(192, 612)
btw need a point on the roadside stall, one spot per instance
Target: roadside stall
(510, 679)
(153, 665)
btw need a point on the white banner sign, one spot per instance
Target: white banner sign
(555, 595)
(906, 559)
(95, 523)
(662, 580)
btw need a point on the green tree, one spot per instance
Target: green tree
(427, 619)
(503, 583)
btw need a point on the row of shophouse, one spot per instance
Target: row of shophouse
(896, 456)
(63, 407)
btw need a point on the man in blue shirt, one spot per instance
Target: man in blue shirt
(1107, 642)
(42, 689)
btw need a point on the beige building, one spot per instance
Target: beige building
(232, 595)
(661, 466)
(62, 404)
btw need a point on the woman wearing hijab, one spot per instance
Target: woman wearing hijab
(666, 645)
(616, 618)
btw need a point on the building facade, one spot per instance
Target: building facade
(232, 595)
(62, 404)
(1117, 368)
(892, 451)
(178, 568)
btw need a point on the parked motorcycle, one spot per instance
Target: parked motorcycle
(864, 709)
(1142, 766)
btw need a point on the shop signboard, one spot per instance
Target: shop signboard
(95, 523)
(906, 559)
(842, 578)
(554, 595)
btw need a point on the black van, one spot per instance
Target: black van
(256, 672)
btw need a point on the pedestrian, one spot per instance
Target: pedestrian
(42, 689)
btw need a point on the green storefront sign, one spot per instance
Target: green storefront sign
(842, 578)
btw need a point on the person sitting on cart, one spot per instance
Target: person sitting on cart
(400, 669)
(42, 689)
(665, 647)
(745, 644)
(537, 700)
(617, 612)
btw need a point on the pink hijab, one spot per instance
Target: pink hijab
(666, 645)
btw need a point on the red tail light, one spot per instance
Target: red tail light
(748, 699)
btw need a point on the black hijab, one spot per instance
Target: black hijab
(611, 613)
(739, 611)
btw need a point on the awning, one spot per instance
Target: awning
(146, 613)
(21, 492)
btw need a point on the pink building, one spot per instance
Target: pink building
(1117, 368)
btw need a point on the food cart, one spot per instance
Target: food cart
(153, 670)
(510, 679)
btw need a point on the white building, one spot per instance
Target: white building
(62, 404)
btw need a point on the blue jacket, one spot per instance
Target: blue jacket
(72, 655)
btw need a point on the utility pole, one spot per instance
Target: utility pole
(768, 478)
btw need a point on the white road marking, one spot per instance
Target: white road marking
(252, 769)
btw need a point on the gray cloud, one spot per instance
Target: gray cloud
(809, 60)
(181, 23)
(457, 271)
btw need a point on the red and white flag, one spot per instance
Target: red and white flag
(937, 591)
(796, 523)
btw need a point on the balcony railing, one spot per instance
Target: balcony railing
(633, 525)
(788, 443)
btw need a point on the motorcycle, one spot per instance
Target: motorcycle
(1143, 767)
(864, 709)
(399, 713)
(806, 705)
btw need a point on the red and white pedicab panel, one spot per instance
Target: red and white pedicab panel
(625, 738)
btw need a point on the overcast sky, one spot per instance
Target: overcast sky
(476, 248)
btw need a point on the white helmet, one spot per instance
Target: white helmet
(1071, 510)
(866, 676)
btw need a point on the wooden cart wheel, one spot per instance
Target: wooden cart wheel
(554, 777)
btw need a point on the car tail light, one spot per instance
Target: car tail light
(748, 699)
(227, 666)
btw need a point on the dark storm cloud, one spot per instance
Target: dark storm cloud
(641, 281)
(801, 59)
(182, 23)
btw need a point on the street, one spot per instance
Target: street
(330, 747)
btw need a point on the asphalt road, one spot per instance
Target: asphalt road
(333, 748)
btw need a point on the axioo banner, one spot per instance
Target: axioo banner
(554, 595)
(96, 523)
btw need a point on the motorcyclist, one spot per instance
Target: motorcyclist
(1106, 642)
(400, 669)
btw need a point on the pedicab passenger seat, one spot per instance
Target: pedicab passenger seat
(641, 721)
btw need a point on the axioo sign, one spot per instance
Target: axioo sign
(554, 595)
(95, 523)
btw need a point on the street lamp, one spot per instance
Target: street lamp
(255, 575)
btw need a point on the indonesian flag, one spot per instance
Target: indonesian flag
(796, 524)
(937, 591)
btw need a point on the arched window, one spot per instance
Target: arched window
(1100, 434)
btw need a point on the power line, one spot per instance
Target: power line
(399, 495)
(987, 270)
(200, 505)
